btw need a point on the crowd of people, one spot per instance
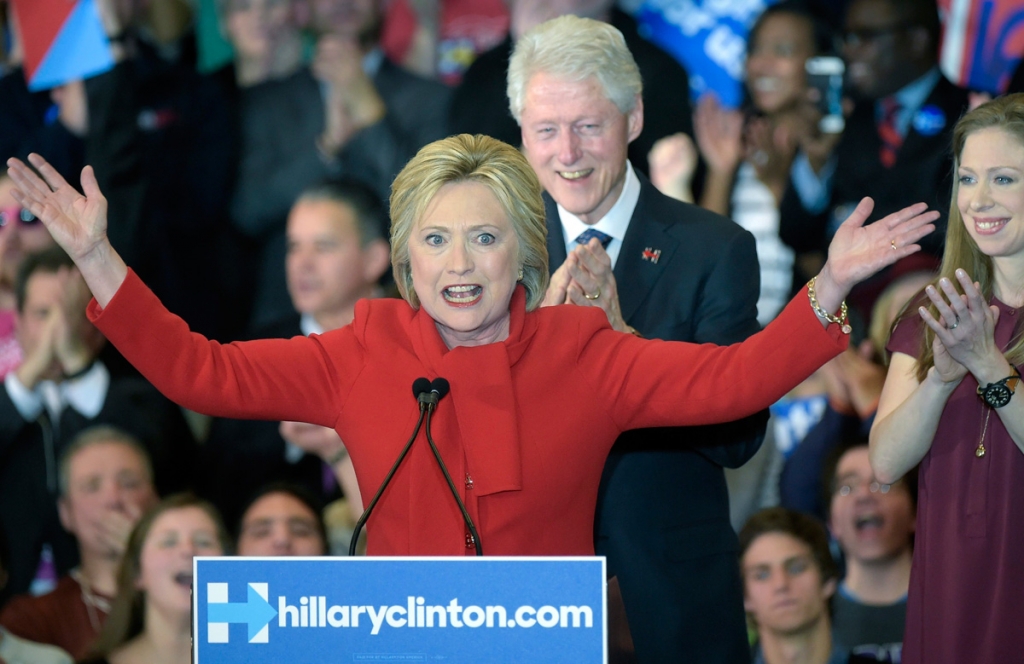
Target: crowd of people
(217, 286)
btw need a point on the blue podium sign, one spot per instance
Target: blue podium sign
(491, 609)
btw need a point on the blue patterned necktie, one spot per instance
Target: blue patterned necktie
(603, 238)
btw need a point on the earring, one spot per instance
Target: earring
(520, 278)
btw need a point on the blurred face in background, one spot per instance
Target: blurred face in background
(20, 233)
(327, 267)
(256, 27)
(279, 524)
(527, 14)
(879, 51)
(354, 19)
(776, 77)
(165, 563)
(872, 522)
(105, 478)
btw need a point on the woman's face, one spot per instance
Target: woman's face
(775, 64)
(464, 260)
(166, 559)
(990, 194)
(256, 27)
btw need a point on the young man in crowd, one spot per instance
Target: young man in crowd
(788, 579)
(282, 519)
(874, 526)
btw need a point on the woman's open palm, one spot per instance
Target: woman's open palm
(78, 223)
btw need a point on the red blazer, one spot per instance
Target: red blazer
(525, 430)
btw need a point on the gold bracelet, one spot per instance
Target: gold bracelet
(821, 313)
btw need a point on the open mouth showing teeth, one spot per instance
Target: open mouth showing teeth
(869, 521)
(183, 579)
(575, 175)
(989, 224)
(461, 294)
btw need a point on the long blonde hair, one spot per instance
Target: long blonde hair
(1005, 113)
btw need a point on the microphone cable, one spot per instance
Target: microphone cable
(439, 387)
(420, 388)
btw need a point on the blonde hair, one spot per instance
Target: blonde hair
(487, 161)
(575, 48)
(1007, 114)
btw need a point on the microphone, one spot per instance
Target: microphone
(434, 392)
(420, 387)
(439, 388)
(420, 390)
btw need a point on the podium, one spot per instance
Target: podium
(416, 609)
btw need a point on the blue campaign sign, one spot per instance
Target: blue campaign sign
(492, 609)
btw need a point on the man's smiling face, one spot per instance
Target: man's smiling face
(576, 140)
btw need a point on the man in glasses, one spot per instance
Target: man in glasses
(873, 524)
(895, 146)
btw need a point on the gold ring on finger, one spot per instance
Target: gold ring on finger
(594, 296)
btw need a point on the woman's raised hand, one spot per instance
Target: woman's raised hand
(78, 223)
(858, 251)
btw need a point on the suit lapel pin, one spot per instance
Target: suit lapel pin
(652, 255)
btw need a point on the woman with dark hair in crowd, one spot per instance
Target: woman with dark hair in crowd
(749, 151)
(150, 619)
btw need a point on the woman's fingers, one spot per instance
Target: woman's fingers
(860, 213)
(49, 173)
(950, 317)
(27, 182)
(941, 331)
(90, 185)
(908, 213)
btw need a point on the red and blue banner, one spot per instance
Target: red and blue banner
(983, 42)
(63, 40)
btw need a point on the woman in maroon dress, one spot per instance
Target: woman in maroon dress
(949, 404)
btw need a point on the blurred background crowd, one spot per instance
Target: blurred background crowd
(246, 149)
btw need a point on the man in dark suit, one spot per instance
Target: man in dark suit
(337, 254)
(896, 144)
(661, 269)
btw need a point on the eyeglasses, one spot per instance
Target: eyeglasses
(851, 486)
(11, 214)
(864, 36)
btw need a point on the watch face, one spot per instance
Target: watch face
(997, 395)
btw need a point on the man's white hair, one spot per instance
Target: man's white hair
(575, 48)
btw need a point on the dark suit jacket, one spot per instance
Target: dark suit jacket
(480, 103)
(30, 453)
(280, 122)
(241, 456)
(922, 172)
(663, 510)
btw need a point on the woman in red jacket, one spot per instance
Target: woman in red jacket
(538, 396)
